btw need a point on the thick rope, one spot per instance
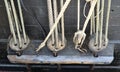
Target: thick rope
(8, 8)
(89, 14)
(91, 24)
(62, 23)
(97, 22)
(55, 16)
(50, 15)
(107, 20)
(22, 20)
(55, 24)
(101, 25)
(16, 21)
(78, 19)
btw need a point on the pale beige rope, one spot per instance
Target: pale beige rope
(78, 16)
(81, 33)
(55, 16)
(50, 16)
(16, 22)
(62, 23)
(92, 23)
(97, 22)
(8, 8)
(107, 20)
(84, 10)
(22, 20)
(89, 14)
(55, 24)
(101, 25)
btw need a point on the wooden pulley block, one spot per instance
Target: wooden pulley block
(16, 47)
(79, 38)
(54, 47)
(96, 47)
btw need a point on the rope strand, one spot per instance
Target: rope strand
(107, 20)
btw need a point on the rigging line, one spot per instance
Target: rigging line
(78, 16)
(101, 25)
(16, 21)
(91, 25)
(50, 17)
(97, 22)
(62, 24)
(89, 14)
(10, 21)
(55, 16)
(84, 11)
(107, 20)
(55, 24)
(93, 21)
(34, 17)
(22, 20)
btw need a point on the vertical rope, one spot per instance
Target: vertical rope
(16, 21)
(22, 20)
(55, 24)
(91, 24)
(78, 16)
(55, 16)
(62, 23)
(107, 20)
(10, 21)
(101, 25)
(97, 22)
(50, 15)
(93, 18)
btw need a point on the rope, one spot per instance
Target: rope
(92, 23)
(91, 26)
(78, 19)
(107, 20)
(84, 9)
(55, 24)
(101, 26)
(97, 20)
(40, 27)
(50, 15)
(55, 16)
(89, 14)
(22, 21)
(16, 21)
(62, 24)
(10, 21)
